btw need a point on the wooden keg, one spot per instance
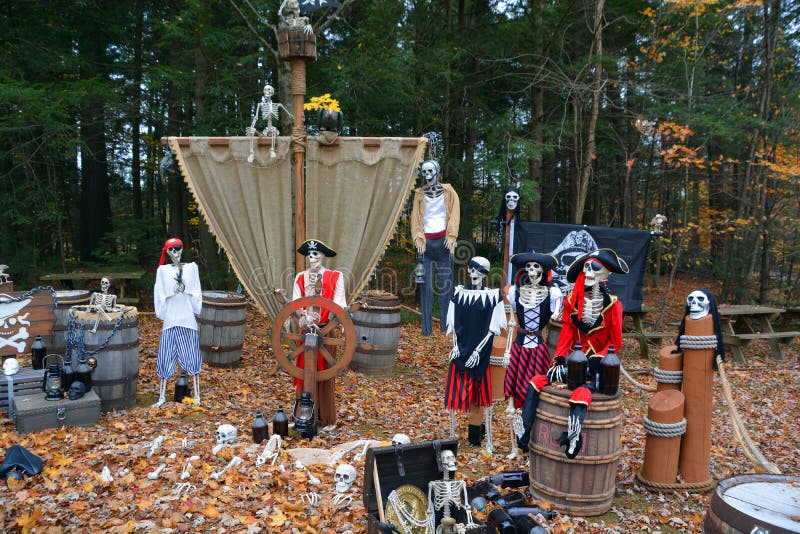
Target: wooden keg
(221, 326)
(116, 347)
(498, 372)
(584, 485)
(755, 503)
(377, 323)
(553, 333)
(66, 300)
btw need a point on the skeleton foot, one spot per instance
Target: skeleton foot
(153, 475)
(310, 499)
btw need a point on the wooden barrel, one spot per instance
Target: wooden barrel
(497, 371)
(66, 300)
(377, 323)
(221, 328)
(553, 333)
(755, 503)
(584, 485)
(117, 344)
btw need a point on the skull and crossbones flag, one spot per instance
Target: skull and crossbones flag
(307, 6)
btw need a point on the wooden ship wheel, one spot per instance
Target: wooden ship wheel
(336, 340)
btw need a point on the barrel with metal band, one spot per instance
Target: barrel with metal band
(377, 324)
(66, 299)
(221, 327)
(664, 426)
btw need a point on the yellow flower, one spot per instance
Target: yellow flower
(322, 102)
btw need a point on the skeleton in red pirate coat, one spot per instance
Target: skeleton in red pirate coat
(317, 280)
(592, 317)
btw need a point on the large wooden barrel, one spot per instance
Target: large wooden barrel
(377, 323)
(66, 300)
(755, 503)
(221, 328)
(553, 333)
(117, 344)
(584, 485)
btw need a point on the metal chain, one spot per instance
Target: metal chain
(28, 294)
(667, 377)
(664, 430)
(75, 337)
(698, 342)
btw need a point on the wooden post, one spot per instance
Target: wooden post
(669, 361)
(661, 453)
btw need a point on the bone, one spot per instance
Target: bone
(155, 445)
(153, 475)
(234, 462)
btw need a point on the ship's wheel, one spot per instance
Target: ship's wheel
(337, 338)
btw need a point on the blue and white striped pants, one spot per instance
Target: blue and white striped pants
(178, 345)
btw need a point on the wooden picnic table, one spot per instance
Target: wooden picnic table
(742, 323)
(635, 329)
(120, 278)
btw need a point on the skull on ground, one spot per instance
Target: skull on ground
(10, 366)
(344, 477)
(401, 439)
(225, 434)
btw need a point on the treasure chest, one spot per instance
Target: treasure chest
(35, 413)
(27, 381)
(406, 470)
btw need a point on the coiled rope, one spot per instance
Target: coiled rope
(667, 377)
(698, 342)
(664, 430)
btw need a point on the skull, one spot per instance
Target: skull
(430, 172)
(268, 91)
(448, 460)
(344, 477)
(175, 252)
(698, 304)
(401, 439)
(225, 434)
(535, 271)
(595, 272)
(477, 268)
(10, 366)
(77, 390)
(512, 200)
(105, 284)
(315, 258)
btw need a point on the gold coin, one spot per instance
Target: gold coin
(414, 504)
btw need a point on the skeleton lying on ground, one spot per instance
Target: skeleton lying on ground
(268, 111)
(102, 302)
(272, 451)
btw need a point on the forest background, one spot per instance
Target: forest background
(606, 112)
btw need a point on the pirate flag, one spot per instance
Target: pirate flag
(307, 6)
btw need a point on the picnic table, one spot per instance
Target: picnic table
(120, 278)
(742, 323)
(635, 329)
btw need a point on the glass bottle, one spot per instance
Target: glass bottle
(67, 373)
(38, 352)
(280, 423)
(527, 525)
(511, 499)
(500, 522)
(529, 509)
(181, 388)
(83, 373)
(511, 479)
(260, 428)
(487, 489)
(576, 368)
(609, 373)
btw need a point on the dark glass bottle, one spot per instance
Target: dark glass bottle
(511, 499)
(576, 368)
(511, 479)
(487, 489)
(181, 388)
(83, 373)
(38, 352)
(67, 374)
(280, 423)
(527, 525)
(528, 509)
(260, 428)
(609, 373)
(501, 523)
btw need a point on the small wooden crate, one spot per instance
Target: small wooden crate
(35, 413)
(27, 381)
(295, 43)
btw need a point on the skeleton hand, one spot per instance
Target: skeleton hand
(420, 246)
(557, 373)
(180, 287)
(449, 243)
(251, 131)
(473, 359)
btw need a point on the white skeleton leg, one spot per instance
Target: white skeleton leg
(311, 478)
(488, 415)
(234, 462)
(510, 414)
(196, 380)
(452, 424)
(162, 395)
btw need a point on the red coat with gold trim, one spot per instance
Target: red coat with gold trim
(596, 339)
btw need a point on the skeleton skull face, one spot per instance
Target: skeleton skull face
(175, 253)
(430, 172)
(225, 434)
(595, 272)
(10, 366)
(105, 284)
(449, 460)
(698, 303)
(512, 200)
(401, 439)
(535, 271)
(315, 259)
(268, 91)
(344, 477)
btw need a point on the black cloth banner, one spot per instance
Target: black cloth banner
(568, 241)
(307, 6)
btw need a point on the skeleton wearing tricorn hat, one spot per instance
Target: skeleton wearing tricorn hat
(593, 317)
(177, 299)
(326, 283)
(435, 218)
(474, 316)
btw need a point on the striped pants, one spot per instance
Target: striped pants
(178, 345)
(462, 391)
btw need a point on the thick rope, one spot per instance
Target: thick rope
(742, 436)
(698, 342)
(499, 361)
(685, 486)
(635, 382)
(298, 141)
(667, 377)
(664, 430)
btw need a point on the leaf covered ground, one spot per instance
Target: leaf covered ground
(71, 495)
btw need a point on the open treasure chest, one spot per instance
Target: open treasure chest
(396, 488)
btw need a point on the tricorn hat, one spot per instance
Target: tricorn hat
(315, 244)
(545, 260)
(606, 256)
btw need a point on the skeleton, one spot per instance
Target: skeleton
(272, 451)
(512, 200)
(154, 474)
(444, 493)
(344, 477)
(4, 276)
(268, 111)
(233, 463)
(430, 171)
(401, 439)
(290, 16)
(186, 468)
(310, 499)
(699, 305)
(596, 274)
(102, 302)
(155, 445)
(225, 435)
(658, 223)
(342, 500)
(311, 478)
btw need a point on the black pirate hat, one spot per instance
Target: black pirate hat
(547, 261)
(606, 256)
(315, 244)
